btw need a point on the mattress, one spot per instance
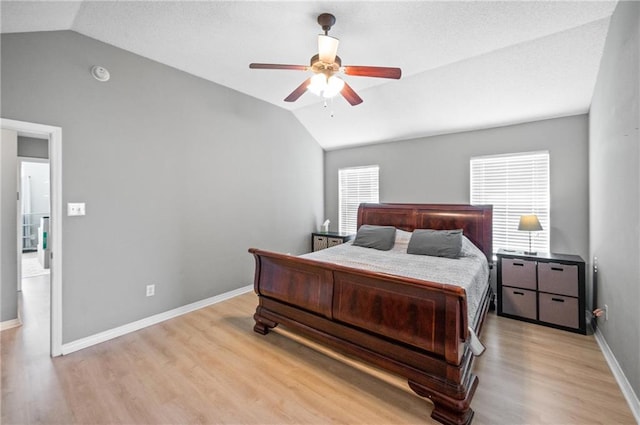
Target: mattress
(470, 271)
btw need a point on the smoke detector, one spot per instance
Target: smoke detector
(100, 73)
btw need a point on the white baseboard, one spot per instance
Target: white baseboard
(81, 343)
(625, 386)
(8, 324)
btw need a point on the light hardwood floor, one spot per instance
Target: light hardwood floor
(209, 367)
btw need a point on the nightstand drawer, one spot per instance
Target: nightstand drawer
(519, 273)
(519, 302)
(559, 310)
(334, 241)
(558, 278)
(320, 242)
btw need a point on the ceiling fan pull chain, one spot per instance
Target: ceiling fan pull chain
(325, 105)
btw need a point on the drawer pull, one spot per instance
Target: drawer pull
(560, 300)
(518, 293)
(519, 264)
(557, 269)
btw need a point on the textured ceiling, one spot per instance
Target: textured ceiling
(466, 64)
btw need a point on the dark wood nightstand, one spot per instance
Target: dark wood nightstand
(322, 240)
(547, 289)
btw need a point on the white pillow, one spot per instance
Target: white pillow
(402, 241)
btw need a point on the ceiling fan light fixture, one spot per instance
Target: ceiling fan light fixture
(334, 86)
(325, 87)
(327, 48)
(317, 84)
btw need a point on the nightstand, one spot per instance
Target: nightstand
(547, 289)
(322, 240)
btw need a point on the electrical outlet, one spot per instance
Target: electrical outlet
(151, 290)
(606, 312)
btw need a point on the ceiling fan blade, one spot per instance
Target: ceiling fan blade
(350, 95)
(327, 48)
(278, 66)
(373, 71)
(299, 91)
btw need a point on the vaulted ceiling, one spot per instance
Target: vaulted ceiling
(465, 64)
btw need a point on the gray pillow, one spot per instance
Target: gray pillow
(378, 237)
(436, 243)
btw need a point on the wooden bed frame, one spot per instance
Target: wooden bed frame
(414, 328)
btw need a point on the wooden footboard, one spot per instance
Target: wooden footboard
(410, 327)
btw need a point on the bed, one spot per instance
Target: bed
(413, 327)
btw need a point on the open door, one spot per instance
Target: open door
(8, 228)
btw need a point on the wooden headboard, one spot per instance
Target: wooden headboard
(476, 221)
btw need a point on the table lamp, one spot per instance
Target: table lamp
(529, 223)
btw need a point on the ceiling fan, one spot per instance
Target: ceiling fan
(325, 65)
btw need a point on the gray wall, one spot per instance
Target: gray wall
(180, 177)
(8, 227)
(436, 170)
(614, 152)
(32, 147)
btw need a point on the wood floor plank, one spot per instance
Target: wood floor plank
(210, 367)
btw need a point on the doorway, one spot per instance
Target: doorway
(34, 209)
(34, 285)
(54, 238)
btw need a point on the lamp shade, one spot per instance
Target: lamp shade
(317, 84)
(327, 48)
(334, 85)
(529, 223)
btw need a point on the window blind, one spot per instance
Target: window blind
(515, 184)
(355, 186)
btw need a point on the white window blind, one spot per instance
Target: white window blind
(355, 186)
(515, 184)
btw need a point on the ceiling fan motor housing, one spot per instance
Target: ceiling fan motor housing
(318, 66)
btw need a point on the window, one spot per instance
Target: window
(355, 186)
(515, 184)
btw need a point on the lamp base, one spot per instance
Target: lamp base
(530, 253)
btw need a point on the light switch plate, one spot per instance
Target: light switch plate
(75, 208)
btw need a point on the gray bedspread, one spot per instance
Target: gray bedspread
(470, 271)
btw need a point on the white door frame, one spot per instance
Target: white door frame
(54, 135)
(21, 161)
